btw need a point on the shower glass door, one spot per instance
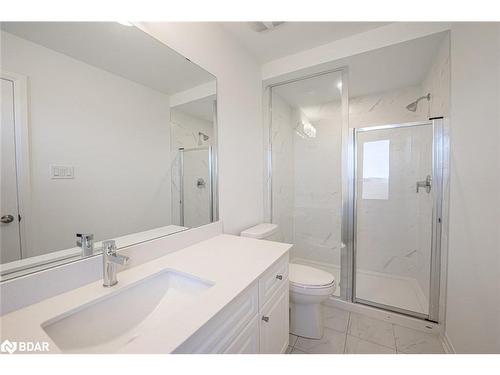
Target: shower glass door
(396, 217)
(307, 125)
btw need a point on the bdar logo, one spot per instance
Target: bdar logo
(8, 347)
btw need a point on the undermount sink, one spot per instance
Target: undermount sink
(118, 316)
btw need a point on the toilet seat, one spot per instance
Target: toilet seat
(309, 280)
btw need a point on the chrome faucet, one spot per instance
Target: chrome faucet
(109, 261)
(86, 242)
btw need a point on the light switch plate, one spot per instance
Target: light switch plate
(58, 171)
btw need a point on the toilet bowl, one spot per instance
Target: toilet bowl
(309, 287)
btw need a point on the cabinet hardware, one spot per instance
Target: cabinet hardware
(279, 277)
(6, 219)
(265, 318)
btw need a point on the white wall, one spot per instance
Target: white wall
(239, 93)
(95, 121)
(318, 58)
(473, 302)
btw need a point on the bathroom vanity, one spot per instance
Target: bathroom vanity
(226, 294)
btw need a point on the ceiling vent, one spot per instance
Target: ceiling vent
(264, 26)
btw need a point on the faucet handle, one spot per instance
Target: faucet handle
(84, 238)
(109, 247)
(86, 242)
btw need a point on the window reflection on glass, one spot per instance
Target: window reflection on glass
(376, 170)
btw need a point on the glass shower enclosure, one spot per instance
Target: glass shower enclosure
(361, 203)
(307, 117)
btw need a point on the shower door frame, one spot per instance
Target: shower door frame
(346, 285)
(439, 141)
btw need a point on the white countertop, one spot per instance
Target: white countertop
(232, 263)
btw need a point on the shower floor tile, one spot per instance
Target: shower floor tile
(391, 291)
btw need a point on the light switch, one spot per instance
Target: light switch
(61, 172)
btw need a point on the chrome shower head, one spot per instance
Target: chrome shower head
(413, 106)
(202, 137)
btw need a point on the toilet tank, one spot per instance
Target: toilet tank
(265, 231)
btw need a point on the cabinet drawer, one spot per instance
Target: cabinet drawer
(275, 277)
(220, 331)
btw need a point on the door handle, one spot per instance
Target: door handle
(6, 219)
(427, 184)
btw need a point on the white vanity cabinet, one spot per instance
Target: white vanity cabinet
(274, 323)
(256, 321)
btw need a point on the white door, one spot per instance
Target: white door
(9, 212)
(274, 324)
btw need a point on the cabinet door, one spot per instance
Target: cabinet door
(274, 323)
(216, 335)
(248, 340)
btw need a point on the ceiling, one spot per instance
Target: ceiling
(122, 50)
(320, 89)
(201, 108)
(293, 37)
(400, 65)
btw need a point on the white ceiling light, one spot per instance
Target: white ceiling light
(264, 26)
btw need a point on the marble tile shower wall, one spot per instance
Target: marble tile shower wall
(385, 108)
(306, 189)
(437, 82)
(318, 186)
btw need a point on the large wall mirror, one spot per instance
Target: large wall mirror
(106, 133)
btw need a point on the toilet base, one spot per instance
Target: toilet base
(306, 320)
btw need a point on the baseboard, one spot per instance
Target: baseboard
(447, 345)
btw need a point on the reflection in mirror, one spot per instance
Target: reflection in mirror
(192, 139)
(106, 134)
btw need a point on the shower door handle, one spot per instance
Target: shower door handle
(427, 184)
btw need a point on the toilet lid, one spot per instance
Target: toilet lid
(309, 276)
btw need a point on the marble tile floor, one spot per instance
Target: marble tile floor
(352, 333)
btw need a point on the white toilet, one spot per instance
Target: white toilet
(309, 287)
